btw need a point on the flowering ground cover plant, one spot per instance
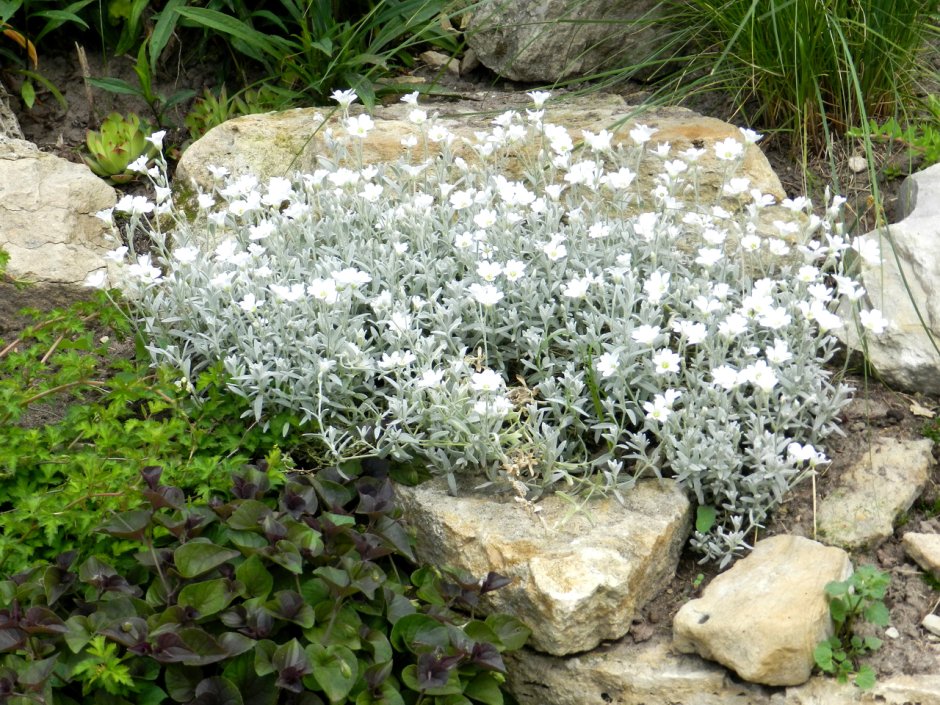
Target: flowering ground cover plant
(518, 306)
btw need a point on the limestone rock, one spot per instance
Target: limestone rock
(651, 673)
(578, 578)
(764, 616)
(895, 690)
(9, 125)
(881, 485)
(626, 674)
(47, 216)
(925, 549)
(282, 143)
(552, 40)
(903, 355)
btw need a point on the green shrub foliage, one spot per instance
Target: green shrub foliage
(288, 589)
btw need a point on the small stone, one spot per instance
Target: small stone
(857, 163)
(925, 550)
(932, 624)
(892, 633)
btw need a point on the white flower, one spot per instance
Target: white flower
(485, 218)
(411, 98)
(218, 172)
(778, 247)
(874, 321)
(661, 406)
(728, 149)
(760, 374)
(439, 133)
(797, 204)
(539, 97)
(461, 199)
(359, 125)
(186, 255)
(599, 142)
(144, 271)
(156, 139)
(139, 165)
(779, 353)
(555, 250)
(736, 186)
(577, 288)
(733, 326)
(106, 216)
(750, 136)
(249, 304)
(514, 270)
(409, 141)
(117, 254)
(135, 205)
(775, 317)
(620, 179)
(645, 334)
(709, 256)
(675, 167)
(323, 289)
(485, 294)
(397, 359)
(868, 248)
(750, 243)
(692, 154)
(694, 332)
(488, 271)
(805, 453)
(344, 98)
(430, 378)
(725, 377)
(665, 361)
(205, 201)
(607, 364)
(487, 381)
(497, 406)
(96, 279)
(350, 277)
(583, 172)
(642, 133)
(657, 286)
(807, 273)
(662, 150)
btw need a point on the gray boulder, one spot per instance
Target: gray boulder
(553, 40)
(904, 355)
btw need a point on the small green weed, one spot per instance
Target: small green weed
(59, 477)
(861, 597)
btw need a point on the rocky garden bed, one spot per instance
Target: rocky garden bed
(616, 646)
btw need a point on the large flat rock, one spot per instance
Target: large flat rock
(578, 577)
(884, 482)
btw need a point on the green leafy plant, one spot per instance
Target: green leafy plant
(860, 598)
(919, 138)
(144, 70)
(62, 471)
(289, 589)
(116, 145)
(317, 47)
(215, 107)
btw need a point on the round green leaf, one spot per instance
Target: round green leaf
(207, 597)
(335, 669)
(200, 556)
(255, 578)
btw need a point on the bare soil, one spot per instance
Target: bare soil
(877, 411)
